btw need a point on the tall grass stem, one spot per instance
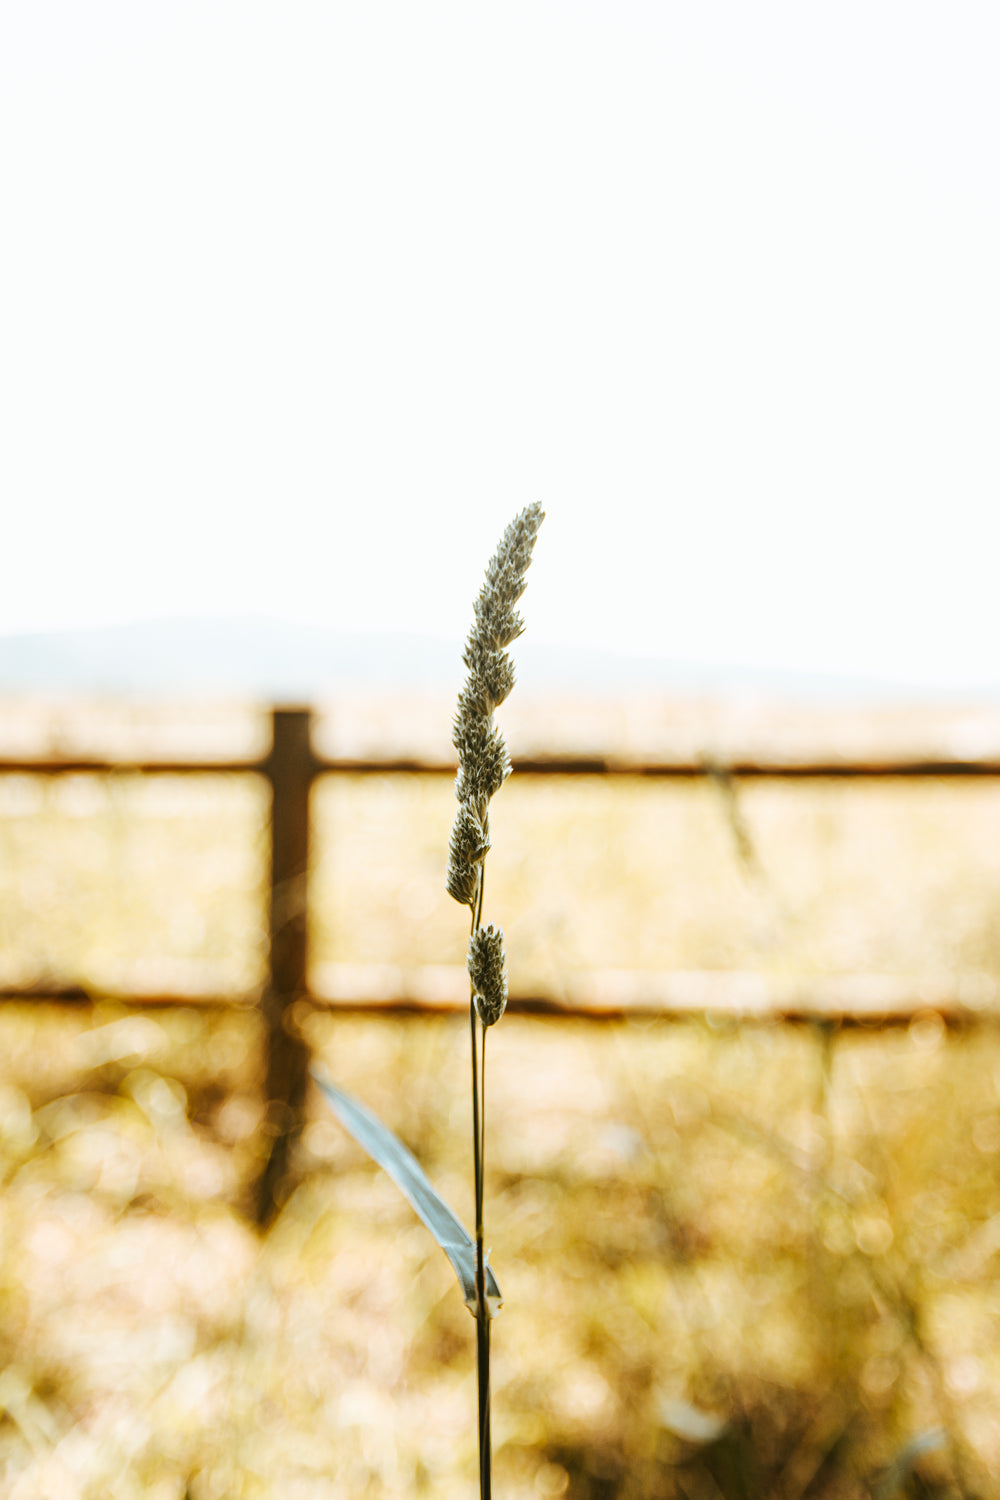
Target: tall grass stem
(483, 766)
(478, 1057)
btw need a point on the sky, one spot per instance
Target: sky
(301, 303)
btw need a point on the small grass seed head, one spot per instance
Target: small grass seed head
(490, 682)
(497, 621)
(467, 848)
(483, 762)
(508, 565)
(487, 972)
(496, 627)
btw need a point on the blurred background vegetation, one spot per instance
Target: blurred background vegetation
(741, 1257)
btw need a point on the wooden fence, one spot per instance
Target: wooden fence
(291, 766)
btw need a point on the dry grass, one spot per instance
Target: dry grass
(596, 874)
(796, 1233)
(157, 883)
(793, 1229)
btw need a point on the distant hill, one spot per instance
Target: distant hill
(283, 661)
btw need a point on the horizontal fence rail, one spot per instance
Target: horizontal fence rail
(291, 767)
(755, 768)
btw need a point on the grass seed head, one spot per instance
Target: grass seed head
(483, 762)
(491, 679)
(508, 565)
(486, 965)
(468, 847)
(497, 621)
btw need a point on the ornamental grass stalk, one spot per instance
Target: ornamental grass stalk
(483, 766)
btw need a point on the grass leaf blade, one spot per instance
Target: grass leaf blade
(398, 1161)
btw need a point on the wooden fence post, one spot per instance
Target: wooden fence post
(290, 768)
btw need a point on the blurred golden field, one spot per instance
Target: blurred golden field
(739, 1257)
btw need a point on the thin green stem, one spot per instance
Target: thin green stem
(479, 1157)
(482, 1309)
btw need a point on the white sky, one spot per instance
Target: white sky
(299, 303)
